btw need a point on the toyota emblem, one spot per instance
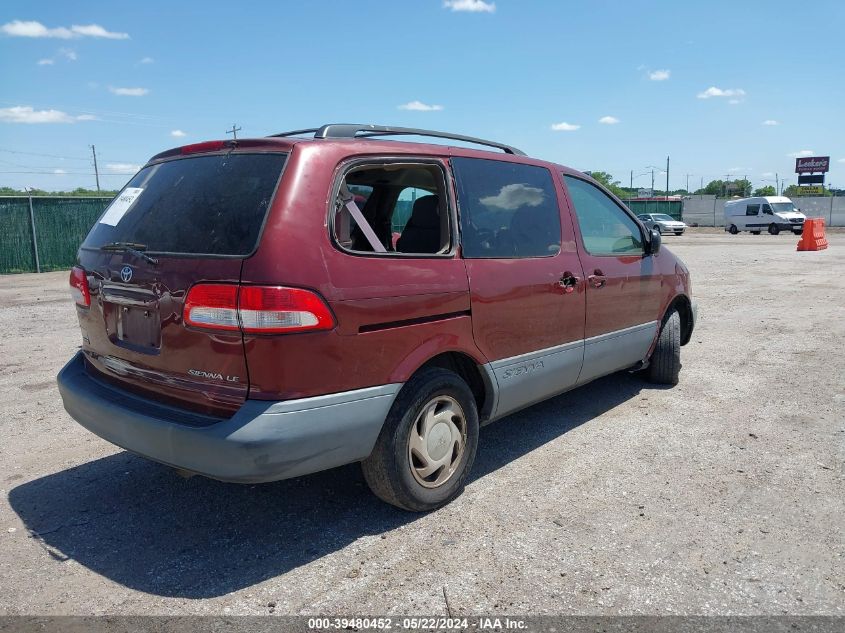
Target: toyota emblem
(126, 273)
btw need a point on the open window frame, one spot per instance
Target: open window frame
(445, 191)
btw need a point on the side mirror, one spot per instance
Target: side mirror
(654, 242)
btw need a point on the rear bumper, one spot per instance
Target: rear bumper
(263, 441)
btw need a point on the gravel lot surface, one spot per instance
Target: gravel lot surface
(724, 495)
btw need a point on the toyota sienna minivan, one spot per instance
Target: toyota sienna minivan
(259, 309)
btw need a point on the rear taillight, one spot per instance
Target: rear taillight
(256, 309)
(213, 306)
(79, 287)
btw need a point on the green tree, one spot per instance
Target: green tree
(607, 180)
(768, 190)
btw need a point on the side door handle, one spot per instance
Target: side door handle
(597, 279)
(568, 282)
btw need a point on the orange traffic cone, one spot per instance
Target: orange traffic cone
(812, 237)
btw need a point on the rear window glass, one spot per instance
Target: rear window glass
(211, 205)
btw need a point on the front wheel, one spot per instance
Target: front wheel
(774, 229)
(665, 365)
(732, 229)
(427, 445)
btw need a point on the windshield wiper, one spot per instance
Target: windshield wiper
(133, 248)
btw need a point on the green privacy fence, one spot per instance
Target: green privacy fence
(669, 207)
(46, 235)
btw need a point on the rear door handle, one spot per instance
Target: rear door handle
(568, 282)
(597, 279)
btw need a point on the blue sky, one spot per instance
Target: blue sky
(693, 80)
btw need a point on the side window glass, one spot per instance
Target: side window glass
(508, 210)
(752, 209)
(388, 208)
(767, 210)
(605, 228)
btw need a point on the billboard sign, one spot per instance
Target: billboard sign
(811, 191)
(812, 164)
(815, 179)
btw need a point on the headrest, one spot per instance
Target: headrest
(426, 213)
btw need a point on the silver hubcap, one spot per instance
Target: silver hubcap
(437, 441)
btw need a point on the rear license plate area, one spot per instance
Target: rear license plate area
(133, 327)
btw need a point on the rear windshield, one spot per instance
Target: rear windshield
(211, 205)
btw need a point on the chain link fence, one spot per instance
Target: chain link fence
(43, 233)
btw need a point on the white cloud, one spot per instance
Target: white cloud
(31, 28)
(146, 60)
(419, 106)
(713, 91)
(659, 75)
(563, 126)
(735, 101)
(801, 152)
(473, 6)
(86, 117)
(27, 114)
(609, 120)
(178, 134)
(767, 174)
(770, 122)
(123, 168)
(95, 30)
(737, 170)
(514, 196)
(841, 160)
(46, 62)
(128, 92)
(59, 171)
(68, 53)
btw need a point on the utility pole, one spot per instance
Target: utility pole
(667, 176)
(234, 131)
(96, 171)
(688, 175)
(777, 185)
(632, 179)
(652, 182)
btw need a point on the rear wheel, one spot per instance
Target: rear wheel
(774, 229)
(732, 229)
(799, 232)
(665, 365)
(427, 445)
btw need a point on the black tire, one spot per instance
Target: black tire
(732, 229)
(798, 232)
(679, 232)
(755, 232)
(388, 470)
(774, 229)
(665, 365)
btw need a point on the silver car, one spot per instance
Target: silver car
(663, 222)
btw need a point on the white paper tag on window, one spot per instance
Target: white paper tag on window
(120, 205)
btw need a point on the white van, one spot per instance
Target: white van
(772, 213)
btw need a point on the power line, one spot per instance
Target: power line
(12, 151)
(65, 173)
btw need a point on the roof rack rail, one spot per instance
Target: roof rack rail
(352, 130)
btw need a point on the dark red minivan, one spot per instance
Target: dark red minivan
(259, 309)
